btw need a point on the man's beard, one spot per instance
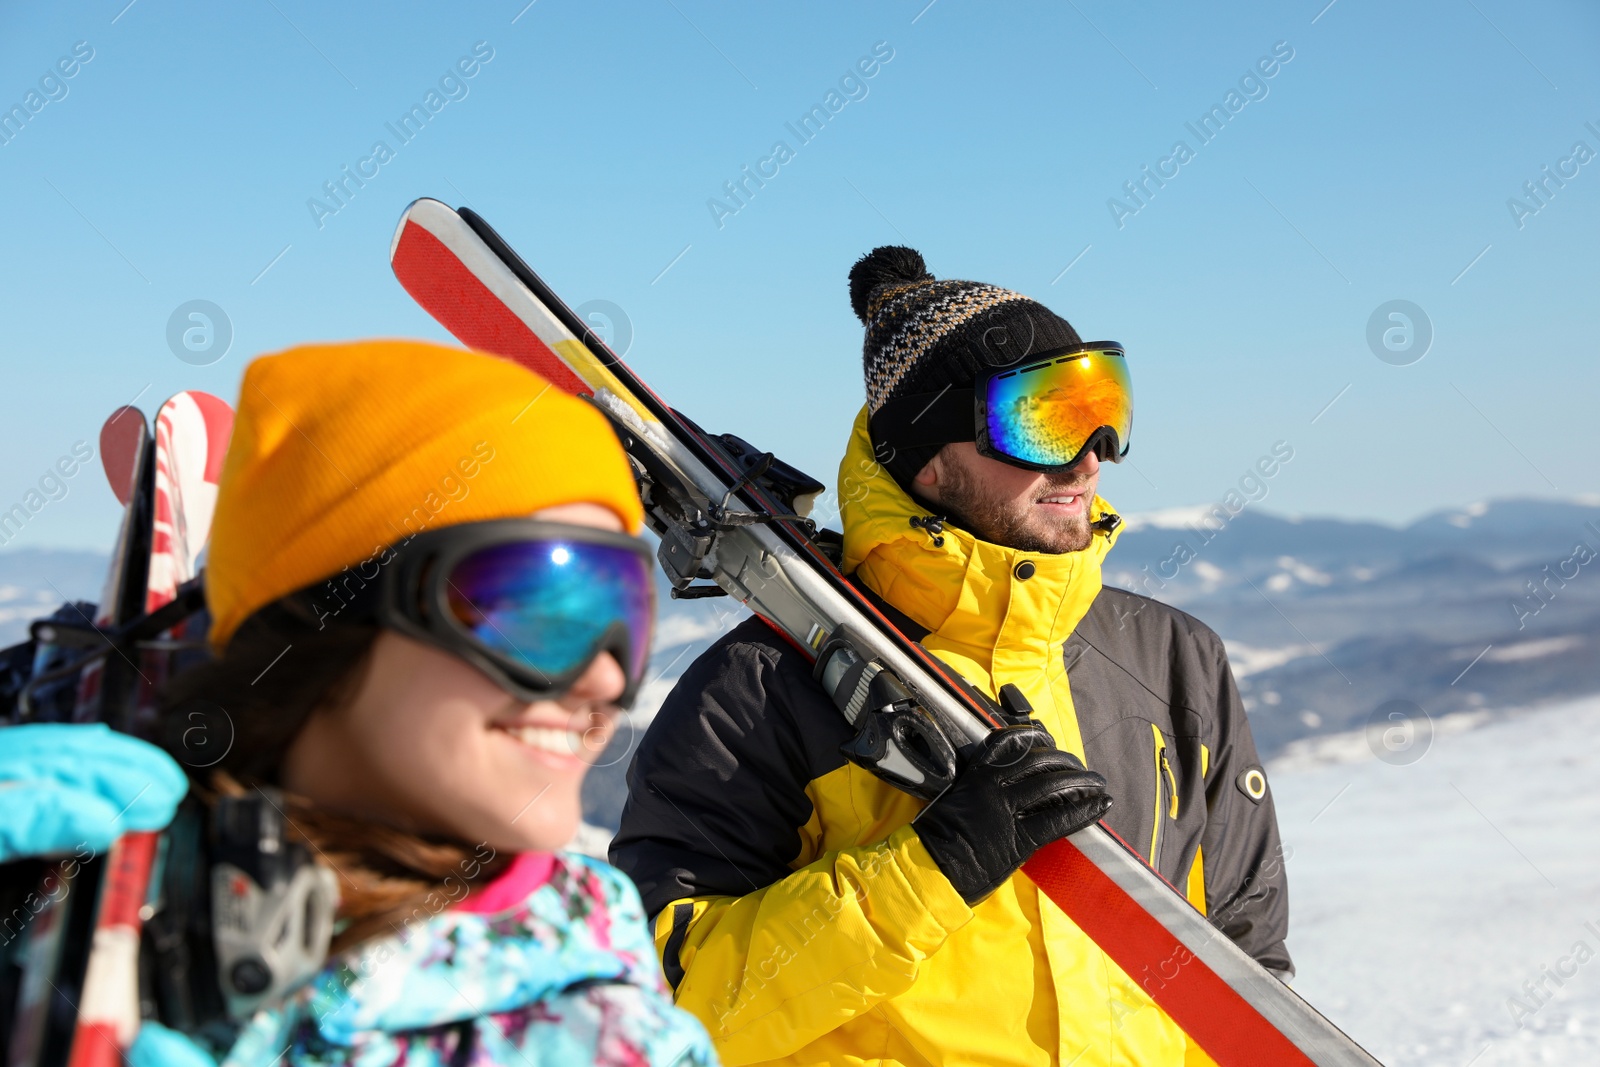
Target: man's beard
(1017, 524)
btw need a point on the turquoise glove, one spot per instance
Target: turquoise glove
(67, 788)
(157, 1046)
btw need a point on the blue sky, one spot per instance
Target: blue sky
(1374, 165)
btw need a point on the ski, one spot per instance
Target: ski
(191, 438)
(122, 440)
(127, 455)
(192, 431)
(728, 513)
(79, 1003)
(59, 938)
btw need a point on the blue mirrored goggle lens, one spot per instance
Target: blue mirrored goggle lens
(546, 604)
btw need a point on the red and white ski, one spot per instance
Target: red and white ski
(192, 431)
(468, 279)
(42, 1028)
(168, 486)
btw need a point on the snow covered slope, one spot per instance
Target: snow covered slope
(1424, 896)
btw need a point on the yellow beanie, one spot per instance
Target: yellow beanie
(339, 450)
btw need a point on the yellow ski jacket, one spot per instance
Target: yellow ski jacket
(798, 914)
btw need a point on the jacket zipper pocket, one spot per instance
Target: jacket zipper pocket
(1166, 789)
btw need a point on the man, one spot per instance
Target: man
(807, 911)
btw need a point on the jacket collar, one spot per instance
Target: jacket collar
(968, 592)
(585, 924)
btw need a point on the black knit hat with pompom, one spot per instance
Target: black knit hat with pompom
(925, 335)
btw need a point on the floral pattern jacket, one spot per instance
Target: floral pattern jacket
(569, 976)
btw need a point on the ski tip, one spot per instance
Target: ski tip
(208, 404)
(420, 210)
(122, 437)
(203, 418)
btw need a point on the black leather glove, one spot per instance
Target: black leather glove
(1017, 794)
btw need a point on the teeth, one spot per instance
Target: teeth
(1059, 499)
(546, 739)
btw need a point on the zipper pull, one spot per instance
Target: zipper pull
(1172, 780)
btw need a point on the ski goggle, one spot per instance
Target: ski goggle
(529, 603)
(1043, 413)
(1046, 413)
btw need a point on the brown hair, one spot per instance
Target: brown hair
(283, 664)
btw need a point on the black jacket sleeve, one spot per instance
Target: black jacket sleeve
(716, 792)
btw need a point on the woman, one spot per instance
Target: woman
(427, 607)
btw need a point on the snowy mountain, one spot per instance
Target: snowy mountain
(1491, 606)
(1325, 620)
(34, 582)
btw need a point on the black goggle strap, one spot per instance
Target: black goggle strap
(921, 419)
